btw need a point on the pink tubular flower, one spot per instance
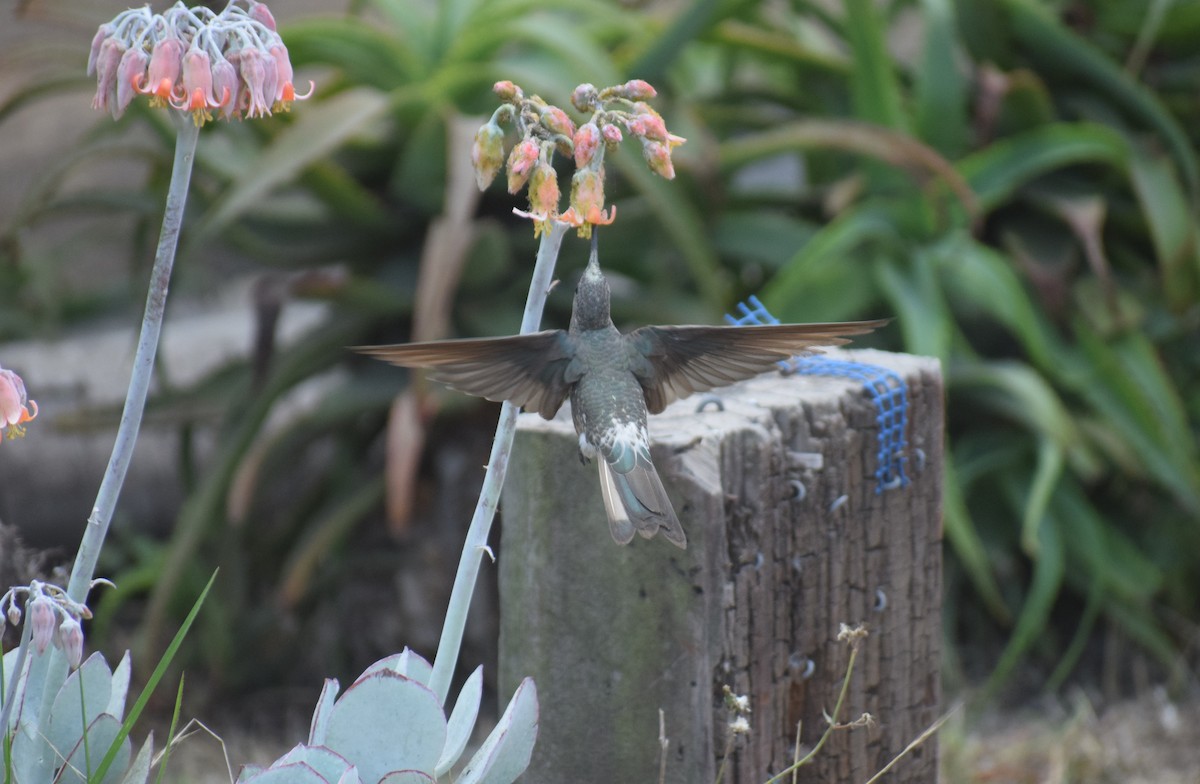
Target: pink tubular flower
(261, 14)
(587, 191)
(166, 62)
(102, 34)
(108, 63)
(520, 163)
(198, 87)
(70, 634)
(14, 405)
(543, 191)
(225, 84)
(260, 88)
(132, 68)
(42, 622)
(587, 139)
(285, 90)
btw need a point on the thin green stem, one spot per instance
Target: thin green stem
(143, 365)
(833, 722)
(489, 497)
(48, 673)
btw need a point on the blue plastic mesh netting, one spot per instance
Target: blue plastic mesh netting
(886, 388)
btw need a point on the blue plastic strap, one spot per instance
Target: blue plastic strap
(886, 388)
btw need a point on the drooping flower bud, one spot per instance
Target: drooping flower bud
(14, 614)
(225, 86)
(261, 14)
(15, 405)
(520, 163)
(108, 63)
(507, 91)
(612, 134)
(166, 62)
(638, 90)
(587, 139)
(42, 621)
(658, 156)
(584, 97)
(557, 121)
(543, 190)
(487, 153)
(252, 65)
(648, 124)
(70, 634)
(131, 70)
(102, 33)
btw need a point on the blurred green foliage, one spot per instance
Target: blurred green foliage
(1016, 181)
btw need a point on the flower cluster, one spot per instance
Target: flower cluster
(543, 129)
(53, 617)
(194, 60)
(14, 405)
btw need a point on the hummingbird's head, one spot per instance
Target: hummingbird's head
(591, 309)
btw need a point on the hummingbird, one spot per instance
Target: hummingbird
(614, 380)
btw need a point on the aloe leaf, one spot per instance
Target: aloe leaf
(319, 729)
(918, 301)
(682, 222)
(984, 280)
(386, 722)
(366, 54)
(505, 754)
(968, 546)
(1048, 470)
(941, 89)
(1172, 225)
(317, 131)
(1048, 569)
(462, 721)
(1034, 25)
(797, 292)
(997, 171)
(873, 83)
(1123, 379)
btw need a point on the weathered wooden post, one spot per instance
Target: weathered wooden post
(789, 537)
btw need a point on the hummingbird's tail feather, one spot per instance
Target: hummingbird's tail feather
(618, 521)
(637, 501)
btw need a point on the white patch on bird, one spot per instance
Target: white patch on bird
(628, 434)
(585, 447)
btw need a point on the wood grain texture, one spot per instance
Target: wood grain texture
(613, 634)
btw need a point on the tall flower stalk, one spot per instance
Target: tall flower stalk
(489, 496)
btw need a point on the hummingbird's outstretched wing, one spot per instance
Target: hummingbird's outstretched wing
(673, 362)
(530, 370)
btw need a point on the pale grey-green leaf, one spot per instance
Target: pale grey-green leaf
(462, 721)
(320, 719)
(386, 722)
(505, 754)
